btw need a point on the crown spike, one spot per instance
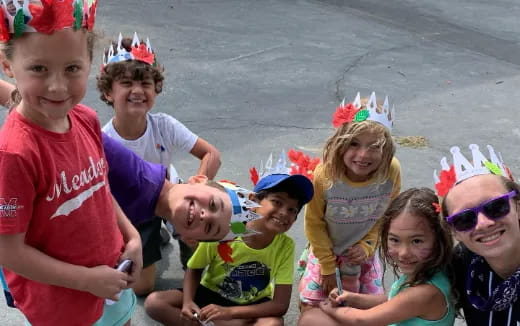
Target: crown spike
(357, 101)
(148, 45)
(135, 40)
(386, 106)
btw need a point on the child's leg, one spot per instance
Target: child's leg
(165, 307)
(315, 316)
(269, 321)
(350, 276)
(146, 282)
(371, 276)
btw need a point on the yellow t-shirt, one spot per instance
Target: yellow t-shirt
(252, 274)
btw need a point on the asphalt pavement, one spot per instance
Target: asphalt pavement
(254, 77)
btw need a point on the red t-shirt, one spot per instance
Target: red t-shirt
(54, 187)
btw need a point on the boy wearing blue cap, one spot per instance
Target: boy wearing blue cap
(248, 280)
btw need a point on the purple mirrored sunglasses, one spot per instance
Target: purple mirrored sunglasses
(494, 209)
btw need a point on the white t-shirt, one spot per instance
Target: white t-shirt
(163, 136)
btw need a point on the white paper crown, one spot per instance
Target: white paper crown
(242, 213)
(279, 168)
(141, 52)
(385, 117)
(462, 168)
(44, 16)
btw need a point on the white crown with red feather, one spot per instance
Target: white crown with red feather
(140, 51)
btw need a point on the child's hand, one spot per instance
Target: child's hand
(327, 307)
(356, 255)
(188, 310)
(328, 282)
(338, 299)
(214, 312)
(134, 252)
(106, 282)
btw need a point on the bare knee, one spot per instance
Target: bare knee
(312, 316)
(162, 302)
(269, 321)
(146, 282)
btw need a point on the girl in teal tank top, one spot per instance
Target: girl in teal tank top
(418, 246)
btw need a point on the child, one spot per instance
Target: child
(129, 81)
(238, 286)
(58, 213)
(354, 184)
(415, 242)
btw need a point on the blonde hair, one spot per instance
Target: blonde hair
(339, 142)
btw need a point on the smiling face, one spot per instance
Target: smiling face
(200, 211)
(131, 97)
(51, 73)
(363, 156)
(491, 239)
(410, 242)
(278, 213)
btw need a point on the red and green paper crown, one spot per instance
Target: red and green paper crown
(44, 16)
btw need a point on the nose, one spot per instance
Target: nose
(137, 88)
(483, 221)
(57, 83)
(404, 251)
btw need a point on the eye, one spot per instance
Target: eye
(393, 240)
(73, 68)
(374, 147)
(38, 69)
(417, 241)
(212, 205)
(354, 144)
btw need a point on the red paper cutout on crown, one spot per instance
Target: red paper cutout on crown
(508, 172)
(52, 16)
(253, 174)
(141, 53)
(4, 29)
(303, 164)
(447, 180)
(344, 114)
(437, 207)
(91, 19)
(225, 251)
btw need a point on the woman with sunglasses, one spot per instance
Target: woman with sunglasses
(481, 205)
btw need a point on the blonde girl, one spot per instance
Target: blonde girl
(353, 186)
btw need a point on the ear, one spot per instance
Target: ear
(108, 97)
(6, 66)
(198, 179)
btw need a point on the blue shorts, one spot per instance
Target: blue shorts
(118, 313)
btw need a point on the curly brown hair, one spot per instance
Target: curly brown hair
(133, 69)
(419, 202)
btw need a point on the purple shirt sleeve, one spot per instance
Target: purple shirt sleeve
(134, 182)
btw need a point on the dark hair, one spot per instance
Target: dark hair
(133, 69)
(292, 189)
(8, 51)
(419, 202)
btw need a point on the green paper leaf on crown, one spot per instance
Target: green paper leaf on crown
(19, 23)
(493, 168)
(361, 115)
(78, 14)
(238, 228)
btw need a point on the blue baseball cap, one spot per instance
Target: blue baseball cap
(302, 183)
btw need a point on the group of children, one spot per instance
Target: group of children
(58, 212)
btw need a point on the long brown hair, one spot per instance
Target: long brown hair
(420, 202)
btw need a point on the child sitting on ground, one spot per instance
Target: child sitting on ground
(237, 283)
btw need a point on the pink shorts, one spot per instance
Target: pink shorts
(310, 282)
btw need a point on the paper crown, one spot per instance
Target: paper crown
(462, 168)
(140, 51)
(300, 164)
(354, 112)
(44, 16)
(241, 210)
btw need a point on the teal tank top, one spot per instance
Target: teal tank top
(441, 281)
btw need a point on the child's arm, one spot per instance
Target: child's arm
(317, 233)
(101, 281)
(209, 158)
(356, 300)
(272, 308)
(6, 89)
(133, 246)
(191, 281)
(425, 301)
